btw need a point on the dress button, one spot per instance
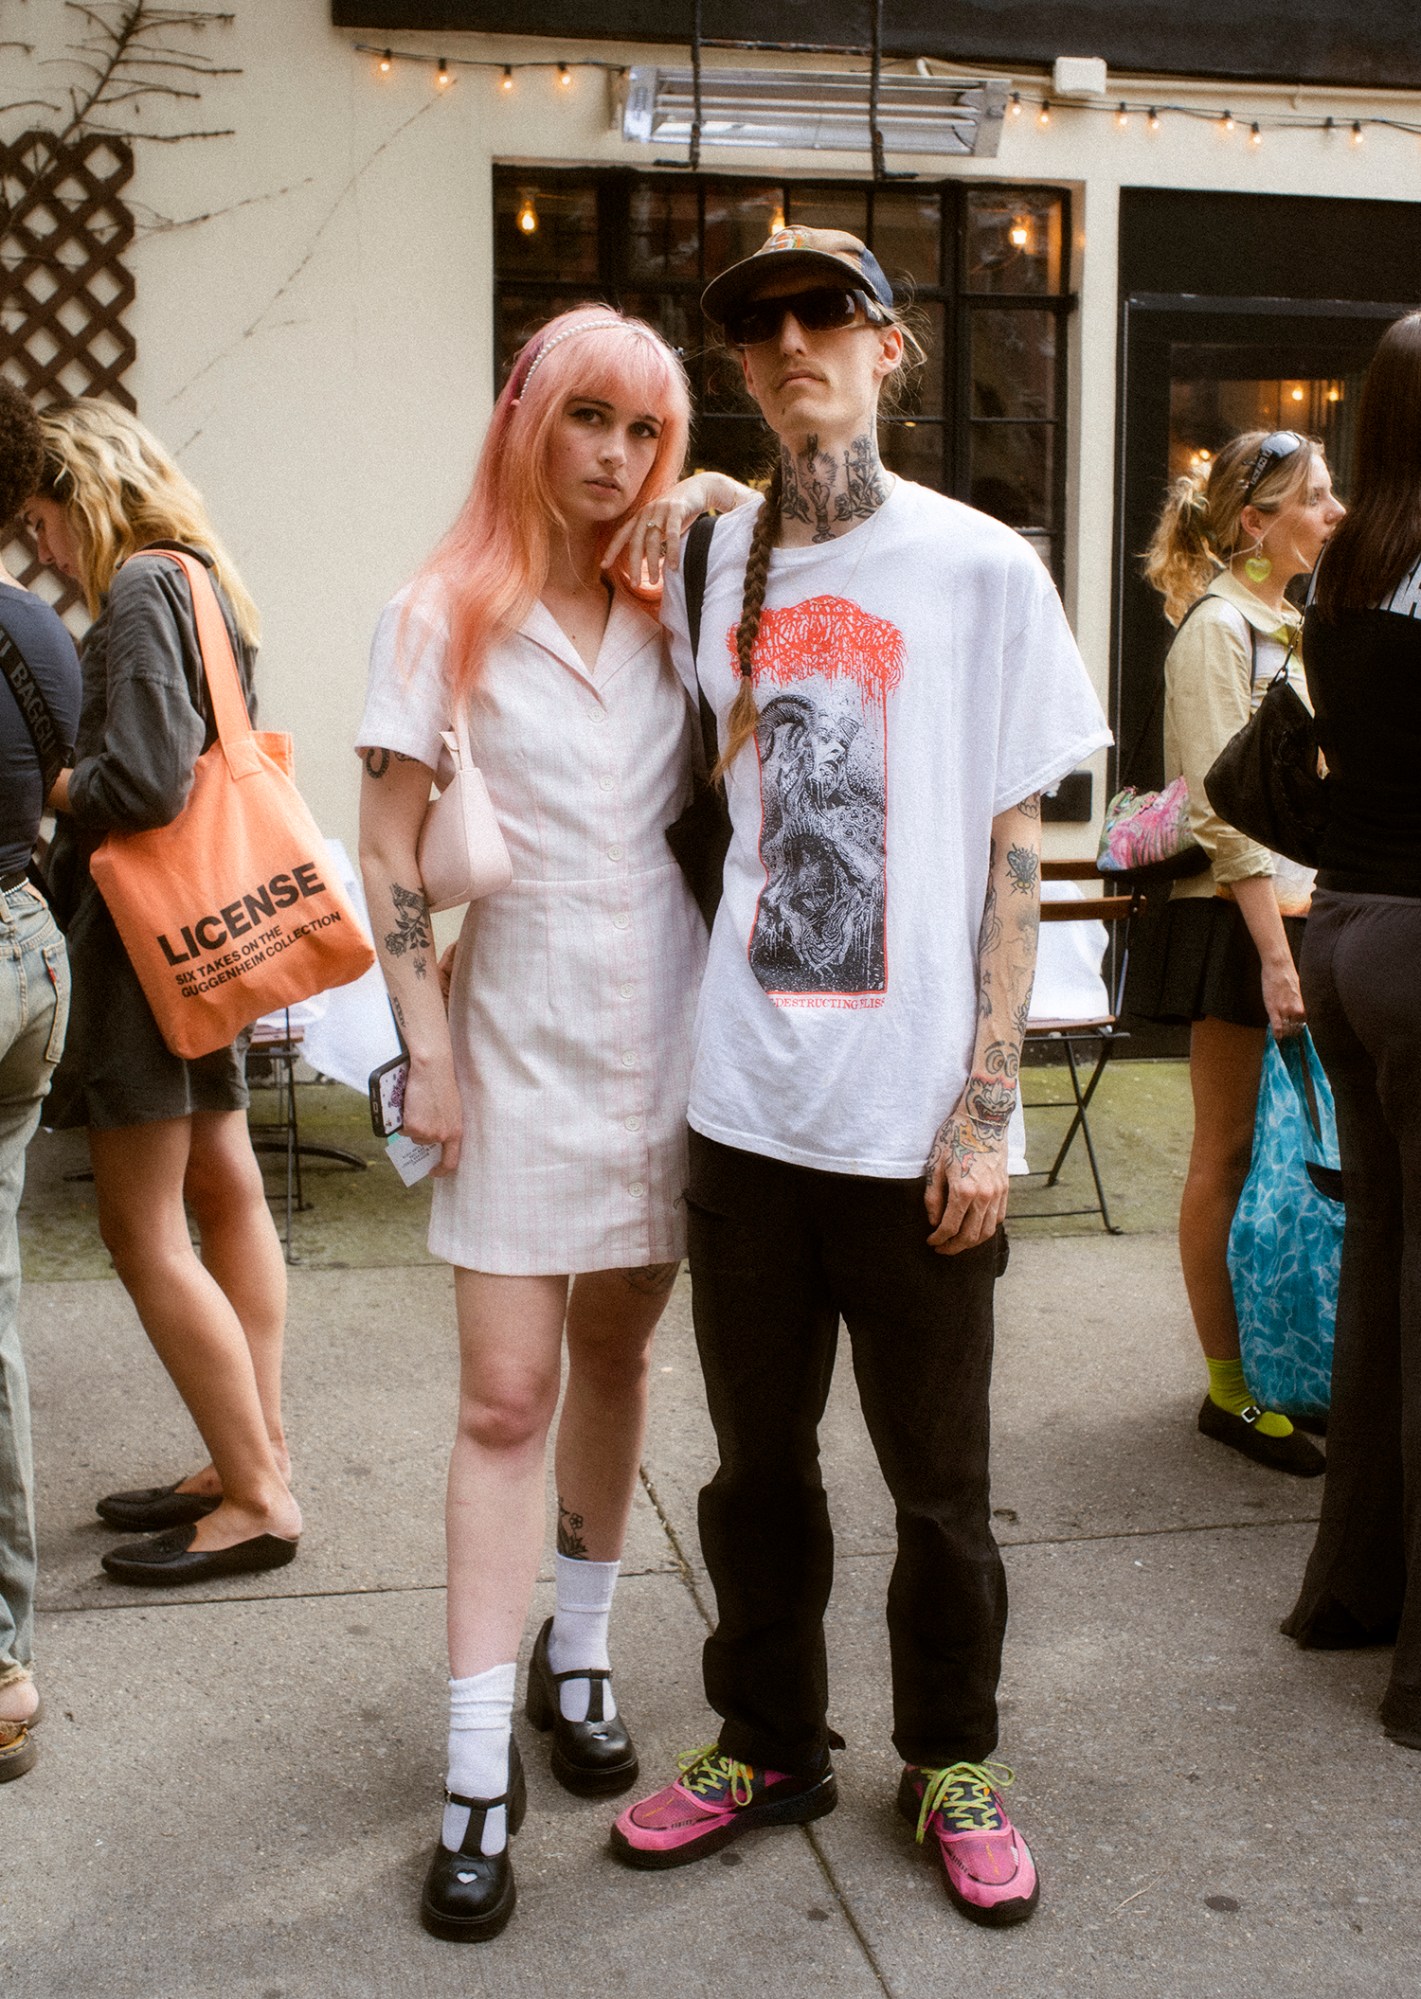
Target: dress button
(599, 714)
(633, 1123)
(637, 1189)
(622, 920)
(629, 1060)
(626, 990)
(615, 853)
(607, 783)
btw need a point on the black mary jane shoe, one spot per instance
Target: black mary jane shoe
(595, 1757)
(171, 1558)
(469, 1895)
(1293, 1453)
(155, 1507)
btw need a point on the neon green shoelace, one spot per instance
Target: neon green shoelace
(706, 1770)
(963, 1793)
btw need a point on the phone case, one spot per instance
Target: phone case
(387, 1095)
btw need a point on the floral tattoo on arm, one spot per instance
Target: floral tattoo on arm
(412, 932)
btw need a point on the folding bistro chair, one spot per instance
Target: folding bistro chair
(1073, 1008)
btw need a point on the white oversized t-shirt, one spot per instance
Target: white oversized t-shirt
(915, 677)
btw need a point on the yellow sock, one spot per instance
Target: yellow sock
(1230, 1391)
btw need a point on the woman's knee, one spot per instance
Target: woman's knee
(222, 1176)
(510, 1415)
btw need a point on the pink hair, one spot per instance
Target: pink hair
(491, 566)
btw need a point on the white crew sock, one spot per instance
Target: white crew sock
(480, 1730)
(578, 1639)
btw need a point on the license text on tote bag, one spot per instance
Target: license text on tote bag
(231, 909)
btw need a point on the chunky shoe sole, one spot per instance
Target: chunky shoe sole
(992, 1915)
(815, 1803)
(479, 1929)
(584, 1780)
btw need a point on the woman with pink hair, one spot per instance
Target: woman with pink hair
(556, 1083)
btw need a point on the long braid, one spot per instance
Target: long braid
(745, 714)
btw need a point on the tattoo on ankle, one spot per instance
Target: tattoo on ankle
(652, 1278)
(570, 1541)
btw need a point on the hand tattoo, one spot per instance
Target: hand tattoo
(1023, 868)
(412, 931)
(570, 1541)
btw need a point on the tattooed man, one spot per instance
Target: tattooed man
(894, 684)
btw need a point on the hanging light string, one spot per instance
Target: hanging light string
(1151, 110)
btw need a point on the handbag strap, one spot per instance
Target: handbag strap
(1130, 761)
(219, 665)
(53, 752)
(694, 564)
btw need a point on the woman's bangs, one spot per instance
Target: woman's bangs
(638, 372)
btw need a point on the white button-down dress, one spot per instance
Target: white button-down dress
(574, 990)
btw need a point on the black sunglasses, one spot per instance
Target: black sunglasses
(1276, 446)
(824, 309)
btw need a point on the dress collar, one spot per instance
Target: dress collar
(629, 629)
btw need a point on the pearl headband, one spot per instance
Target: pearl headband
(609, 325)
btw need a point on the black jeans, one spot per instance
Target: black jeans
(779, 1254)
(1361, 980)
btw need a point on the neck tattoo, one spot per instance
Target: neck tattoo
(828, 493)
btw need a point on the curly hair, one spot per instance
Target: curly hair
(21, 452)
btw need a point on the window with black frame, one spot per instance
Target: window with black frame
(985, 268)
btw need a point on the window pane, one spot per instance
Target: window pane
(915, 451)
(738, 219)
(1013, 240)
(923, 393)
(520, 314)
(676, 318)
(1011, 472)
(1014, 364)
(907, 235)
(830, 208)
(665, 229)
(740, 446)
(545, 230)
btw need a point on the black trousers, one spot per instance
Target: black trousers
(779, 1254)
(1361, 980)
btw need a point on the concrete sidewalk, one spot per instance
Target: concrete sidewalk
(238, 1790)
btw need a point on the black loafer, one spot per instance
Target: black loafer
(595, 1757)
(171, 1558)
(1293, 1453)
(156, 1507)
(469, 1895)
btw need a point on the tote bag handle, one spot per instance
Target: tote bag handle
(219, 666)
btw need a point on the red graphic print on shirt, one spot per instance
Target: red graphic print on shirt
(823, 672)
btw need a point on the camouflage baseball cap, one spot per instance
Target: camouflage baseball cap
(822, 253)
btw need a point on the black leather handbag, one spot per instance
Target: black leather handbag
(1266, 780)
(700, 837)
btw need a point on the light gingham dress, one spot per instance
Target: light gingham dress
(574, 990)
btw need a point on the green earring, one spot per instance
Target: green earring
(1258, 568)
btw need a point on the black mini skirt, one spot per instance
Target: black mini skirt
(1192, 958)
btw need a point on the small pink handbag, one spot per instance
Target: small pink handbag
(461, 853)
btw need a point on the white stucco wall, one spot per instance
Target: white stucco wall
(319, 352)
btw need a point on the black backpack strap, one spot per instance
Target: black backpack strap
(694, 562)
(53, 752)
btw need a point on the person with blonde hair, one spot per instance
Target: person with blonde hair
(556, 1081)
(168, 1137)
(1221, 952)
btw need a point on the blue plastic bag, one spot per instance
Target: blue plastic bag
(1285, 1246)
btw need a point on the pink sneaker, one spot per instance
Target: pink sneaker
(713, 1801)
(986, 1863)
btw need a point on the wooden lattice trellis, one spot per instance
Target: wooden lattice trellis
(63, 231)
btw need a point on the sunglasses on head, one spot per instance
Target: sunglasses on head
(1276, 446)
(822, 309)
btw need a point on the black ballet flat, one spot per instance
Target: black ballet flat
(595, 1757)
(469, 1895)
(171, 1558)
(155, 1507)
(1293, 1453)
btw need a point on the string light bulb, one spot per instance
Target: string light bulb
(443, 76)
(386, 63)
(1255, 136)
(1154, 119)
(505, 82)
(564, 76)
(1122, 117)
(1014, 108)
(1226, 123)
(1043, 116)
(526, 219)
(1357, 133)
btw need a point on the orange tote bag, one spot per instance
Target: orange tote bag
(232, 909)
